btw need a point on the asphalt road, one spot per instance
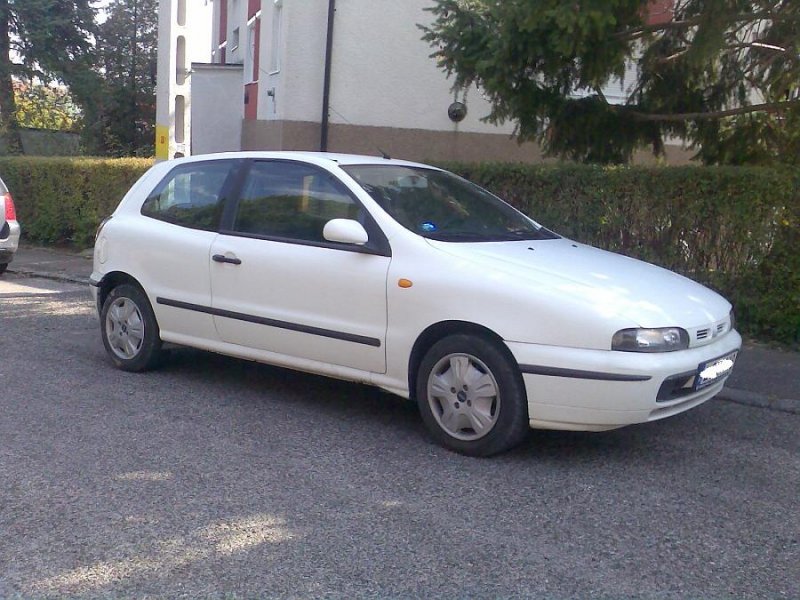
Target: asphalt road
(219, 478)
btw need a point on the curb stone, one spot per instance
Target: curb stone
(759, 400)
(48, 275)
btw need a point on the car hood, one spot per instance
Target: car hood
(608, 283)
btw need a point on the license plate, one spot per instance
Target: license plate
(713, 370)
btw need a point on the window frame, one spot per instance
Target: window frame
(378, 243)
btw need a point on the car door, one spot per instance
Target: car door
(278, 285)
(168, 250)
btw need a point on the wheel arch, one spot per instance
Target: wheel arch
(112, 280)
(441, 330)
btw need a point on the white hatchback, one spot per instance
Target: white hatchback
(409, 278)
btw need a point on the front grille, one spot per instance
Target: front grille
(675, 387)
(710, 332)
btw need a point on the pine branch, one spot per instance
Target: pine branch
(635, 33)
(767, 107)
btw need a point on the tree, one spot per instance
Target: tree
(127, 48)
(45, 107)
(45, 40)
(723, 74)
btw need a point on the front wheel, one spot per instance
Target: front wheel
(471, 396)
(129, 329)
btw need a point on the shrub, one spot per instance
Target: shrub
(61, 201)
(735, 229)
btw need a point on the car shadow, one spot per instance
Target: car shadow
(251, 383)
(333, 396)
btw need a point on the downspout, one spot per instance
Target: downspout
(326, 86)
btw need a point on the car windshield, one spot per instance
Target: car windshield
(441, 206)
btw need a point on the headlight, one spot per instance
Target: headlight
(665, 339)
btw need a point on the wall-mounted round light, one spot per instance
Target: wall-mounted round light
(457, 111)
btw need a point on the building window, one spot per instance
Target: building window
(251, 58)
(234, 39)
(180, 61)
(182, 13)
(180, 119)
(275, 42)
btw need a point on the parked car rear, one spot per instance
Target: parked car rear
(9, 228)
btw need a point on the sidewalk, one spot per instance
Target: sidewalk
(763, 376)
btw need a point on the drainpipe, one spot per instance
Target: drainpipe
(326, 86)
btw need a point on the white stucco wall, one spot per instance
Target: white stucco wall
(217, 108)
(174, 80)
(298, 84)
(382, 74)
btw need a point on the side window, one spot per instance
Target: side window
(291, 201)
(190, 195)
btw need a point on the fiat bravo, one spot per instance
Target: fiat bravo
(409, 278)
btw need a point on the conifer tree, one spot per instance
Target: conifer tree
(722, 74)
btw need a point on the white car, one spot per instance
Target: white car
(9, 228)
(409, 278)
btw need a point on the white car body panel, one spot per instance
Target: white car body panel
(170, 262)
(611, 285)
(555, 304)
(346, 293)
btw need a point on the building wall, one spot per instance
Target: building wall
(215, 87)
(383, 88)
(382, 74)
(184, 37)
(386, 92)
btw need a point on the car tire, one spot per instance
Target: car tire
(3, 267)
(129, 329)
(471, 396)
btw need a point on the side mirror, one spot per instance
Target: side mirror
(345, 231)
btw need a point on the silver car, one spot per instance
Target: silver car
(9, 228)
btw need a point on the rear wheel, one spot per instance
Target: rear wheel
(129, 329)
(3, 267)
(471, 396)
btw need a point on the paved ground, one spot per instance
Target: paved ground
(218, 478)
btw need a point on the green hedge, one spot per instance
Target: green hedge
(735, 229)
(61, 201)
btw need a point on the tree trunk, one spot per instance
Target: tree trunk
(9, 128)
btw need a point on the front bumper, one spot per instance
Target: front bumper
(595, 390)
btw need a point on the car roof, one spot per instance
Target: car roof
(312, 157)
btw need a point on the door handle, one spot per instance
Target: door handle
(221, 258)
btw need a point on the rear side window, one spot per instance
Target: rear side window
(191, 195)
(291, 201)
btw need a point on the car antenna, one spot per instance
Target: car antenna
(383, 154)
